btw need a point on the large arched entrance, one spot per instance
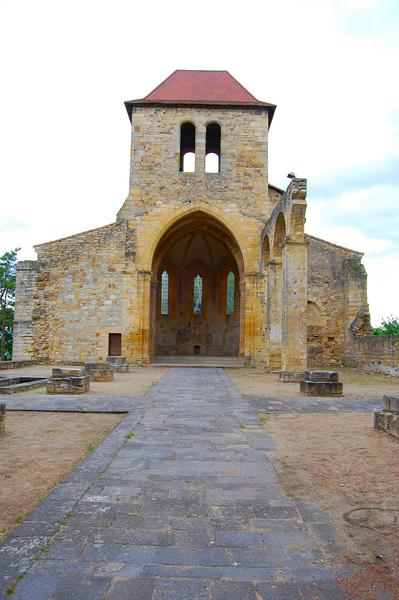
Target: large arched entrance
(197, 268)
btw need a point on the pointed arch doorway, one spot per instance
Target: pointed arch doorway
(196, 302)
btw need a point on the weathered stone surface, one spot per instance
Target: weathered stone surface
(387, 421)
(321, 388)
(68, 384)
(295, 296)
(375, 353)
(14, 385)
(118, 363)
(321, 376)
(321, 383)
(100, 371)
(16, 364)
(390, 403)
(2, 418)
(69, 372)
(291, 376)
(191, 509)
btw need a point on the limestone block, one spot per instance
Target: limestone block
(291, 376)
(2, 418)
(387, 421)
(100, 371)
(320, 376)
(68, 385)
(321, 388)
(69, 372)
(118, 363)
(321, 383)
(390, 404)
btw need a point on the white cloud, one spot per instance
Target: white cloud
(64, 145)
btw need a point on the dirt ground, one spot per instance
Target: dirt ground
(340, 461)
(136, 382)
(357, 384)
(37, 451)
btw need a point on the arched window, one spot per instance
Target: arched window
(187, 148)
(165, 293)
(230, 293)
(197, 303)
(212, 148)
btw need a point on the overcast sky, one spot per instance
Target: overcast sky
(331, 66)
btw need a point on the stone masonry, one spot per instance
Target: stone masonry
(295, 296)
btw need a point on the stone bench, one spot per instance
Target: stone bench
(118, 363)
(321, 383)
(387, 419)
(100, 371)
(291, 376)
(2, 418)
(68, 380)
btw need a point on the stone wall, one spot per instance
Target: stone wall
(25, 291)
(374, 353)
(81, 294)
(155, 156)
(337, 289)
(17, 364)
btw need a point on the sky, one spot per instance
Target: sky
(330, 66)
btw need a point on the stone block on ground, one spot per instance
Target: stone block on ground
(2, 418)
(321, 383)
(68, 385)
(118, 363)
(68, 380)
(100, 371)
(390, 403)
(321, 376)
(387, 419)
(68, 372)
(291, 376)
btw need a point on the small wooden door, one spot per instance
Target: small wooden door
(115, 344)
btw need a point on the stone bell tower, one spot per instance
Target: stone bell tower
(198, 199)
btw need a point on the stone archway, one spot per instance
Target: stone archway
(184, 320)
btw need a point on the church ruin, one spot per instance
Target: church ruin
(205, 256)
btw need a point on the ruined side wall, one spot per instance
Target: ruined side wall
(155, 154)
(337, 285)
(82, 289)
(25, 291)
(378, 354)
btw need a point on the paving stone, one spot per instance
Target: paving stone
(280, 591)
(232, 590)
(322, 590)
(131, 588)
(177, 589)
(189, 508)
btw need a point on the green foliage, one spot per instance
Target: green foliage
(7, 301)
(389, 326)
(263, 418)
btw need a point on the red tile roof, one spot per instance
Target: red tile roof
(200, 87)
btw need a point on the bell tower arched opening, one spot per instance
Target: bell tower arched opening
(203, 266)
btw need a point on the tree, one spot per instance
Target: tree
(389, 326)
(7, 301)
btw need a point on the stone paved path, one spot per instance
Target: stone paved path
(179, 502)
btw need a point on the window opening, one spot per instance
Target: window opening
(197, 305)
(165, 293)
(187, 148)
(230, 293)
(212, 148)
